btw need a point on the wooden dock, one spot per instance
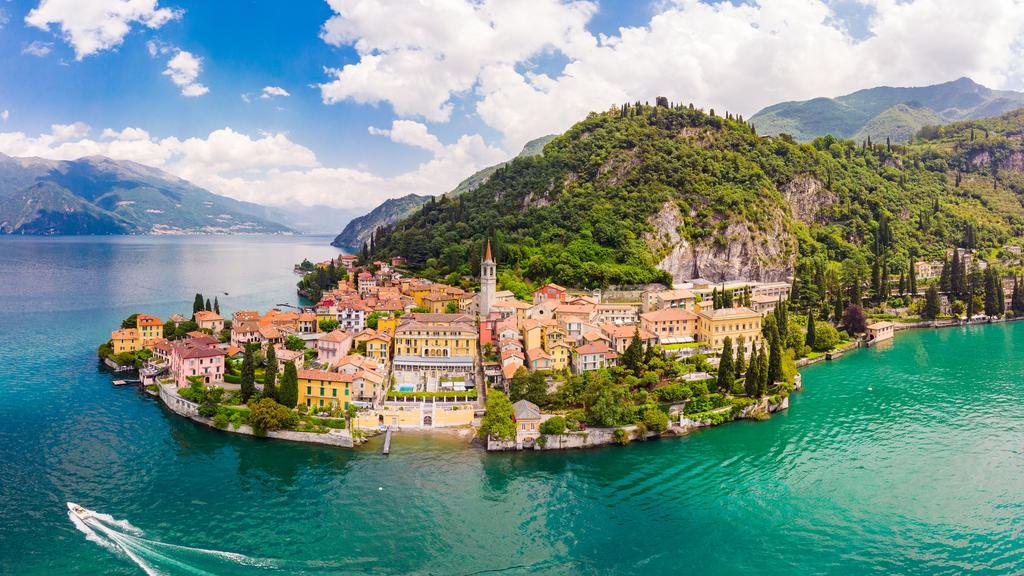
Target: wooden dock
(387, 442)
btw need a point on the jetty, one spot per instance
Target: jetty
(387, 442)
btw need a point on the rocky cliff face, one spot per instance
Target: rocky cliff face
(806, 197)
(359, 230)
(740, 252)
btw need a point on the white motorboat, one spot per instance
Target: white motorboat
(81, 512)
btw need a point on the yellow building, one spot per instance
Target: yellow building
(323, 389)
(561, 355)
(444, 335)
(740, 324)
(438, 302)
(377, 347)
(387, 325)
(150, 329)
(125, 340)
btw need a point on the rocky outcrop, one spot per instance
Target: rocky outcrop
(1013, 162)
(806, 197)
(741, 251)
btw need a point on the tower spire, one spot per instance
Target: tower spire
(487, 253)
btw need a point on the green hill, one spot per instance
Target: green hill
(877, 111)
(659, 194)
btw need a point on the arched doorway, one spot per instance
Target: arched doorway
(428, 421)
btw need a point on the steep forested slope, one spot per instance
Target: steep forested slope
(660, 193)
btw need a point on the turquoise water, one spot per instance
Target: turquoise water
(900, 459)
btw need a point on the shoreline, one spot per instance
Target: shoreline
(591, 438)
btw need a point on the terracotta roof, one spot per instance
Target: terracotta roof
(879, 325)
(729, 313)
(487, 254)
(668, 314)
(594, 348)
(324, 375)
(307, 317)
(208, 316)
(509, 370)
(145, 320)
(125, 334)
(536, 354)
(551, 285)
(627, 331)
(335, 336)
(678, 294)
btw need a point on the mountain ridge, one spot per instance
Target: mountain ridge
(100, 195)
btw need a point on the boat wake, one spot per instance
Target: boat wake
(154, 557)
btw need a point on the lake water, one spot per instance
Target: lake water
(901, 459)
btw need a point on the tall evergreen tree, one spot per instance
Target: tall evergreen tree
(216, 305)
(931, 303)
(208, 307)
(633, 356)
(762, 371)
(809, 338)
(946, 277)
(740, 365)
(726, 370)
(288, 393)
(270, 376)
(752, 380)
(197, 304)
(956, 276)
(248, 377)
(774, 358)
(1017, 300)
(913, 279)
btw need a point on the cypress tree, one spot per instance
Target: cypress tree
(208, 307)
(197, 304)
(726, 370)
(945, 278)
(774, 358)
(956, 276)
(931, 303)
(248, 376)
(762, 371)
(216, 305)
(270, 377)
(288, 394)
(913, 279)
(632, 357)
(752, 381)
(740, 366)
(809, 339)
(1017, 300)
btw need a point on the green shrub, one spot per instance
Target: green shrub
(221, 420)
(266, 415)
(621, 436)
(673, 392)
(654, 419)
(553, 425)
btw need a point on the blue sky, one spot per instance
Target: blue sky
(380, 99)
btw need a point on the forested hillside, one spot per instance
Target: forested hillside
(659, 193)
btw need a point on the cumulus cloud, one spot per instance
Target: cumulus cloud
(273, 91)
(268, 168)
(37, 48)
(91, 26)
(737, 56)
(411, 133)
(184, 69)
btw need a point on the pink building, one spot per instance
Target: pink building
(197, 358)
(333, 346)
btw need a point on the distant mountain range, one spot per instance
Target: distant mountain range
(878, 113)
(98, 195)
(359, 230)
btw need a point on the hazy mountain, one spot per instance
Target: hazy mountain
(358, 230)
(885, 111)
(98, 195)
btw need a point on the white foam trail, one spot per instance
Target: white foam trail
(122, 536)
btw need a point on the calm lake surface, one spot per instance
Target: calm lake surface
(900, 459)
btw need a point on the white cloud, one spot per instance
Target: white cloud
(269, 168)
(5, 116)
(736, 56)
(37, 48)
(184, 69)
(91, 26)
(272, 91)
(417, 55)
(4, 18)
(247, 98)
(411, 133)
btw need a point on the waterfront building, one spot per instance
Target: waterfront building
(670, 323)
(125, 340)
(617, 314)
(879, 332)
(324, 389)
(150, 329)
(763, 304)
(436, 335)
(488, 282)
(677, 298)
(742, 325)
(197, 357)
(526, 416)
(244, 331)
